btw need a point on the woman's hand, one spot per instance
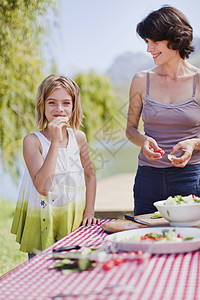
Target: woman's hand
(89, 219)
(187, 147)
(151, 150)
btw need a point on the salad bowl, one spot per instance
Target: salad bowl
(180, 211)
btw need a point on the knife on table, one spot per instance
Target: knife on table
(67, 248)
(75, 247)
(135, 219)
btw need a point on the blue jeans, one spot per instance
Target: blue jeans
(30, 255)
(154, 184)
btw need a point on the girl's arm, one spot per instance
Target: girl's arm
(90, 180)
(42, 171)
(137, 92)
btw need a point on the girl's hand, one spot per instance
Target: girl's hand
(187, 148)
(56, 129)
(151, 150)
(89, 219)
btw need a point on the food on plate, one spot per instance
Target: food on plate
(166, 236)
(179, 200)
(170, 157)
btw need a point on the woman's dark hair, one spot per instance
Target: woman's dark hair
(168, 23)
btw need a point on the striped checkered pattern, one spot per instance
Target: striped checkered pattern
(166, 277)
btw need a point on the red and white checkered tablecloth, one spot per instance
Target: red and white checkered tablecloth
(166, 277)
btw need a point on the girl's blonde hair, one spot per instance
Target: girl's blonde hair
(47, 86)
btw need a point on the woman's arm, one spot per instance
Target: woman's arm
(90, 180)
(134, 111)
(137, 92)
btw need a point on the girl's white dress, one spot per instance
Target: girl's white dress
(41, 221)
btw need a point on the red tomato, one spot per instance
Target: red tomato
(140, 252)
(118, 261)
(160, 151)
(179, 236)
(140, 259)
(108, 265)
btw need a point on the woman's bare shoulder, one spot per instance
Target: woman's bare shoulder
(140, 76)
(198, 85)
(138, 83)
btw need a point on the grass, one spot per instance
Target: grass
(10, 256)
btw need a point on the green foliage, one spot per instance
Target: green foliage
(97, 101)
(22, 24)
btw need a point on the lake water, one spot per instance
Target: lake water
(108, 159)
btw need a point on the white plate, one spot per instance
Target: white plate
(157, 247)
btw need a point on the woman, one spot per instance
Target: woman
(168, 98)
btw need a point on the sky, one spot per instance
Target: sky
(90, 34)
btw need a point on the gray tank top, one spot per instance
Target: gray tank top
(170, 123)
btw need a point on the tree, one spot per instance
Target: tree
(97, 101)
(22, 24)
(22, 27)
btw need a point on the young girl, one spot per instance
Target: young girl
(59, 184)
(168, 98)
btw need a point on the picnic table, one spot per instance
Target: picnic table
(164, 276)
